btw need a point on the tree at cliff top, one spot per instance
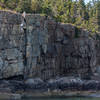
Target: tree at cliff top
(98, 15)
(24, 5)
(47, 7)
(36, 6)
(66, 11)
(9, 4)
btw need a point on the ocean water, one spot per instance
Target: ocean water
(63, 98)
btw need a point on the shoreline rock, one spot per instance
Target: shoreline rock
(60, 87)
(37, 85)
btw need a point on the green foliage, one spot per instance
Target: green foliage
(66, 11)
(24, 5)
(46, 7)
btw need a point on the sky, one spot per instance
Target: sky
(87, 1)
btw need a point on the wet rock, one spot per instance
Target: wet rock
(11, 86)
(34, 81)
(90, 85)
(70, 83)
(35, 84)
(65, 83)
(17, 85)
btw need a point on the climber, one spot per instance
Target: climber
(24, 14)
(23, 24)
(24, 28)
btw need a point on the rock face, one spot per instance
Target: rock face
(44, 48)
(37, 85)
(11, 45)
(55, 49)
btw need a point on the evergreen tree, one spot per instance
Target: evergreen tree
(81, 8)
(66, 11)
(36, 6)
(12, 4)
(46, 7)
(24, 5)
(98, 15)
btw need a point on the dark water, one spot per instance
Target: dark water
(71, 98)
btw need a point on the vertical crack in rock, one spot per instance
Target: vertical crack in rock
(24, 26)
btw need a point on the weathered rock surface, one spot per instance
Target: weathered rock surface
(38, 86)
(62, 84)
(11, 45)
(59, 50)
(44, 48)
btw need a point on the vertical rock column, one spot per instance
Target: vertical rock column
(36, 40)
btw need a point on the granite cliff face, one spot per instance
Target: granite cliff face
(44, 48)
